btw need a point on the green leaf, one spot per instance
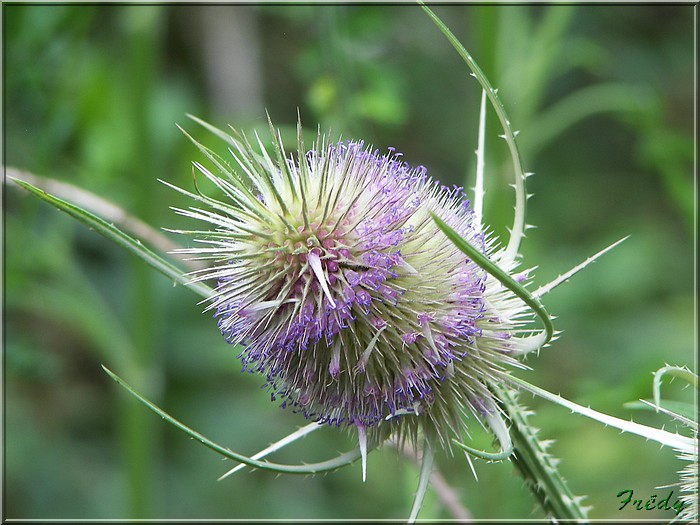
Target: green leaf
(117, 236)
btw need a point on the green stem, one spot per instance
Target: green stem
(142, 436)
(536, 465)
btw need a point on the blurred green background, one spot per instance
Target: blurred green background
(603, 99)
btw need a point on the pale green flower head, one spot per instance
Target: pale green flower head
(344, 294)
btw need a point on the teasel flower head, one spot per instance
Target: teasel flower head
(686, 449)
(342, 292)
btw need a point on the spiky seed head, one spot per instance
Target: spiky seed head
(344, 294)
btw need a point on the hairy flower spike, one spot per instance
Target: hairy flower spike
(345, 295)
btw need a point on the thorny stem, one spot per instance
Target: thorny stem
(479, 183)
(294, 436)
(518, 229)
(676, 371)
(661, 436)
(565, 276)
(537, 466)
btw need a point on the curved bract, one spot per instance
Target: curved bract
(305, 468)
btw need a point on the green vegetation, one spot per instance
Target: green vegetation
(603, 99)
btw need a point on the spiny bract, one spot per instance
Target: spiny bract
(345, 295)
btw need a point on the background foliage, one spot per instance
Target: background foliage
(603, 97)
